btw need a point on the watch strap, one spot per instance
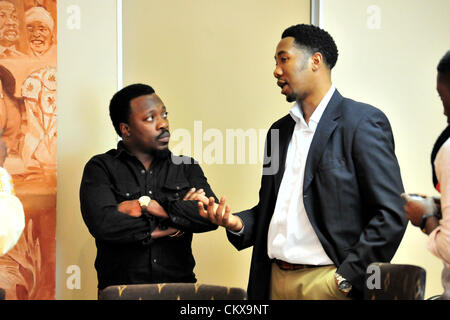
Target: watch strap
(341, 281)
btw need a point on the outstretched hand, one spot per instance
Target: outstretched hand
(194, 194)
(216, 214)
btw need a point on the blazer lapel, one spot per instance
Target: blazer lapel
(286, 130)
(325, 128)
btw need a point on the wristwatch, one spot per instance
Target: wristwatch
(343, 284)
(144, 201)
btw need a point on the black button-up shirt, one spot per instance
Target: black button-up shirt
(126, 253)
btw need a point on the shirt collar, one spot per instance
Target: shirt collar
(297, 113)
(122, 149)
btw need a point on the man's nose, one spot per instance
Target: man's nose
(277, 72)
(163, 124)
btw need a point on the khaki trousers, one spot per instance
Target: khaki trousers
(316, 283)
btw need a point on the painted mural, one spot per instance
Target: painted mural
(28, 127)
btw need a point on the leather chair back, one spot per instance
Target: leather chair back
(387, 281)
(171, 291)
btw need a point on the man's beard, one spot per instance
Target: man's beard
(160, 153)
(290, 98)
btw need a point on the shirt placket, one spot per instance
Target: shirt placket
(150, 190)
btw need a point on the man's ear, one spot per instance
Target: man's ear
(124, 129)
(317, 61)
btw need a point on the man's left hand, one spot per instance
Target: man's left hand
(195, 194)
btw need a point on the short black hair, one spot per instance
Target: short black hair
(119, 106)
(444, 65)
(314, 39)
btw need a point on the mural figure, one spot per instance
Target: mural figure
(39, 27)
(10, 112)
(9, 30)
(28, 128)
(39, 92)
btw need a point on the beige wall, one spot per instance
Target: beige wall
(389, 51)
(213, 61)
(86, 81)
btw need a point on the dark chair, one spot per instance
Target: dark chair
(2, 294)
(171, 291)
(387, 281)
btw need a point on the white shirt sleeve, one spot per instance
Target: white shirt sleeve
(439, 239)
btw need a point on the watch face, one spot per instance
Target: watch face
(345, 285)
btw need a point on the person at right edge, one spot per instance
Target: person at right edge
(334, 205)
(434, 218)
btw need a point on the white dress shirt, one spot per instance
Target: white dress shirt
(291, 236)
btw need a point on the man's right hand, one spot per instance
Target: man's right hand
(216, 215)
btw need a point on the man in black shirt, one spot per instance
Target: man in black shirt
(140, 242)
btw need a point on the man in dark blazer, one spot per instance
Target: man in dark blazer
(333, 206)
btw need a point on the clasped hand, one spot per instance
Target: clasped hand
(134, 209)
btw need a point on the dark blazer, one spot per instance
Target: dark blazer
(351, 193)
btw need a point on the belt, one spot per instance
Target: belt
(283, 265)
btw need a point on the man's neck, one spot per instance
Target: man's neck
(145, 158)
(312, 101)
